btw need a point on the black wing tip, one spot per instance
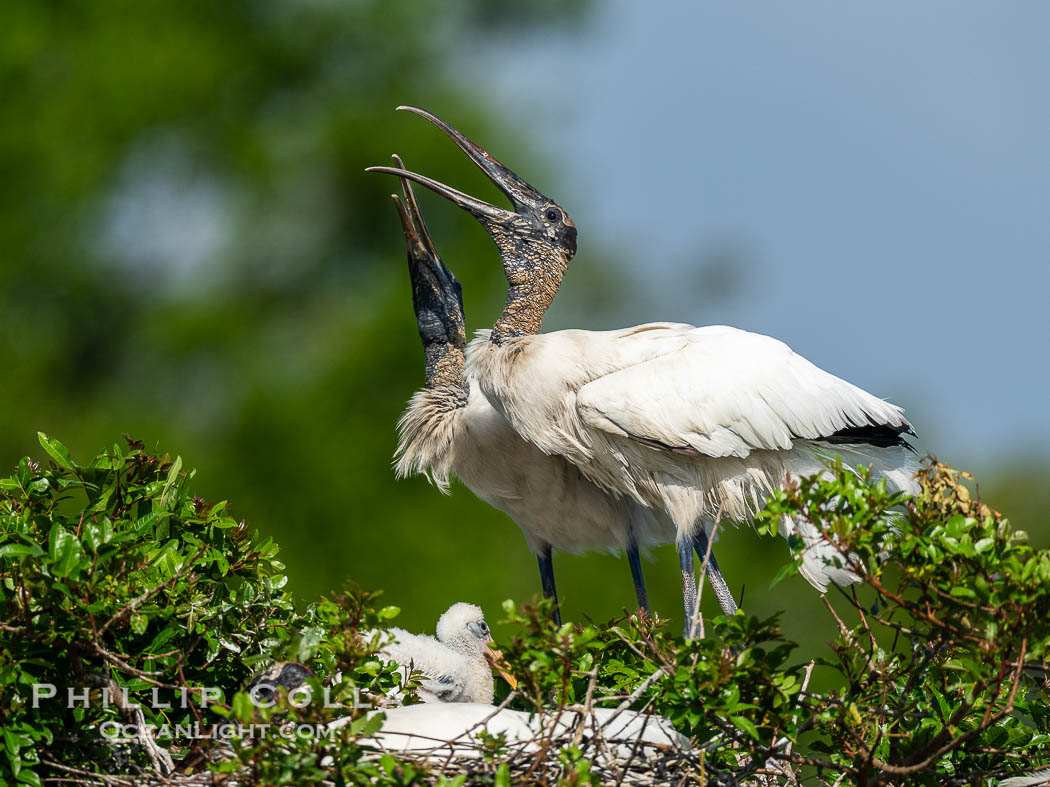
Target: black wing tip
(878, 435)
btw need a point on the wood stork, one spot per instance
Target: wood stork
(450, 427)
(700, 423)
(457, 665)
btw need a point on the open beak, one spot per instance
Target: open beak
(421, 250)
(496, 660)
(506, 180)
(478, 208)
(520, 193)
(417, 238)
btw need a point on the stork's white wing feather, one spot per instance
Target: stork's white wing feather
(723, 392)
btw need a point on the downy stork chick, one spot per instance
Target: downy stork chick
(457, 666)
(700, 423)
(450, 427)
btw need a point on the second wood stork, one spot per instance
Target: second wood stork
(450, 427)
(699, 423)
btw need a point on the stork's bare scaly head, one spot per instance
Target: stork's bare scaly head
(536, 239)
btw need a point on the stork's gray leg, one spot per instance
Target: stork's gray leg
(685, 561)
(714, 573)
(636, 574)
(547, 581)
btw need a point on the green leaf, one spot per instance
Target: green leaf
(367, 726)
(64, 551)
(746, 725)
(11, 741)
(169, 484)
(146, 522)
(221, 563)
(162, 637)
(243, 707)
(56, 451)
(59, 542)
(166, 552)
(20, 550)
(785, 571)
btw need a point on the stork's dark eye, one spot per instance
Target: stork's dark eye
(553, 214)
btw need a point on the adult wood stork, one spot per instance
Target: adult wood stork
(700, 423)
(450, 427)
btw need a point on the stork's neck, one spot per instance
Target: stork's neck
(444, 366)
(527, 302)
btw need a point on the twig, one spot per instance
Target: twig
(102, 778)
(639, 690)
(588, 705)
(801, 691)
(905, 770)
(135, 603)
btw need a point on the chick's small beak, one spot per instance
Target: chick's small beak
(496, 660)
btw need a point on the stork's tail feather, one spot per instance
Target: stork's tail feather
(822, 561)
(897, 464)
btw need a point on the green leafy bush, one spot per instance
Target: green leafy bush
(114, 576)
(938, 676)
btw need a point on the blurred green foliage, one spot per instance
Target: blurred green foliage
(194, 256)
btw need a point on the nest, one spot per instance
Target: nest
(619, 746)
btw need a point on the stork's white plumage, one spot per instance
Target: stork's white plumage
(644, 410)
(548, 498)
(701, 423)
(438, 731)
(697, 423)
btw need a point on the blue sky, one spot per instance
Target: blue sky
(883, 167)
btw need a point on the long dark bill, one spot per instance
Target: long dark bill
(518, 191)
(482, 210)
(416, 234)
(421, 250)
